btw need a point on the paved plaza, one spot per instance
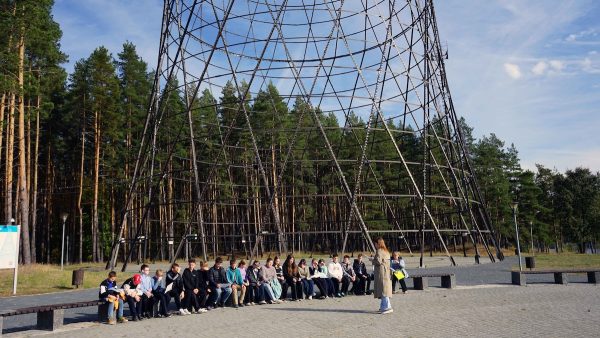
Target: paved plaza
(484, 304)
(472, 311)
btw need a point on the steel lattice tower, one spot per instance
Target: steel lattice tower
(361, 139)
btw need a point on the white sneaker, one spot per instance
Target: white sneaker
(182, 312)
(202, 310)
(386, 311)
(309, 297)
(187, 312)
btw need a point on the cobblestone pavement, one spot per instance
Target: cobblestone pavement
(486, 281)
(468, 311)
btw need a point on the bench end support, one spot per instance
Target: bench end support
(593, 277)
(560, 278)
(50, 320)
(420, 283)
(449, 281)
(518, 278)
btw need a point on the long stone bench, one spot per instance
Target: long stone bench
(421, 280)
(560, 275)
(49, 317)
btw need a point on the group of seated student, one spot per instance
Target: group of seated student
(203, 289)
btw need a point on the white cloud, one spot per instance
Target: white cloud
(512, 70)
(589, 66)
(539, 68)
(583, 35)
(529, 112)
(557, 65)
(550, 67)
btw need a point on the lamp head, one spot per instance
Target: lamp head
(515, 205)
(64, 216)
(12, 221)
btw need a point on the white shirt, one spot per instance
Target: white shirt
(335, 270)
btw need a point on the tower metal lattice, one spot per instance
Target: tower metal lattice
(281, 124)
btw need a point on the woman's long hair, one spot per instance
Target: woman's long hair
(381, 244)
(292, 268)
(278, 265)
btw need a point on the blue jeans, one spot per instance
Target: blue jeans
(111, 309)
(309, 287)
(220, 295)
(385, 304)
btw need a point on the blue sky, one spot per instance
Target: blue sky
(528, 71)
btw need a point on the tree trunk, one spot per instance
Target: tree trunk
(10, 139)
(35, 182)
(8, 104)
(96, 186)
(80, 194)
(23, 193)
(2, 106)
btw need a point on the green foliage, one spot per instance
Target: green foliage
(556, 207)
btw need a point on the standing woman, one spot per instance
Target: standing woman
(383, 283)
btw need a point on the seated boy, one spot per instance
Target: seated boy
(220, 287)
(255, 284)
(349, 275)
(133, 294)
(363, 279)
(174, 285)
(110, 294)
(234, 277)
(159, 293)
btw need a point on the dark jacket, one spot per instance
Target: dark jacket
(107, 287)
(176, 280)
(360, 269)
(217, 276)
(203, 281)
(129, 281)
(253, 277)
(190, 279)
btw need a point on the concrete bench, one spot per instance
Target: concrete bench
(421, 281)
(49, 317)
(560, 275)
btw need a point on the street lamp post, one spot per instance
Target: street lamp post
(531, 235)
(514, 207)
(63, 216)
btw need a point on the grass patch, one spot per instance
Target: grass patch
(564, 261)
(43, 278)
